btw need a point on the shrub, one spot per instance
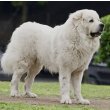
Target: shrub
(103, 55)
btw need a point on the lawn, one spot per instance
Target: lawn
(51, 89)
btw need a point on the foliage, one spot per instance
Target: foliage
(24, 6)
(17, 3)
(103, 55)
(21, 3)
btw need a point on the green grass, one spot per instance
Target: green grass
(19, 106)
(52, 89)
(96, 91)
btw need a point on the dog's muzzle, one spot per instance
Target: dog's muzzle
(99, 32)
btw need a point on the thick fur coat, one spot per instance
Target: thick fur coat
(66, 49)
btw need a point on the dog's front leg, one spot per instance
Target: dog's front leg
(64, 79)
(76, 79)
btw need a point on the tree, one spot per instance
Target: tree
(24, 6)
(103, 55)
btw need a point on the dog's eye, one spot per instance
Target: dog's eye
(91, 21)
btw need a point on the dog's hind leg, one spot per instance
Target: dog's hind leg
(15, 81)
(34, 70)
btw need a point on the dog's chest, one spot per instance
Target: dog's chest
(82, 54)
(84, 57)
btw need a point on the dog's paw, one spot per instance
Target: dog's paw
(29, 94)
(66, 101)
(84, 102)
(15, 94)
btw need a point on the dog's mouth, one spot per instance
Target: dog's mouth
(95, 34)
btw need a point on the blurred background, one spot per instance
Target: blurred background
(14, 13)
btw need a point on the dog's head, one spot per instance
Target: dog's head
(89, 21)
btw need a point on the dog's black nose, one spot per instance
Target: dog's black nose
(101, 26)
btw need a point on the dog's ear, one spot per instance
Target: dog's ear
(77, 15)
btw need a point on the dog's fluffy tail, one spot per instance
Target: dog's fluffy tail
(5, 64)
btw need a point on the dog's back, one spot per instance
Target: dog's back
(23, 45)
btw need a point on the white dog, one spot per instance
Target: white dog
(66, 49)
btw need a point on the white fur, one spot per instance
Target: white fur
(66, 49)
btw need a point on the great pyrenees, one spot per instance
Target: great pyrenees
(66, 49)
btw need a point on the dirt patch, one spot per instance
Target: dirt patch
(34, 101)
(101, 104)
